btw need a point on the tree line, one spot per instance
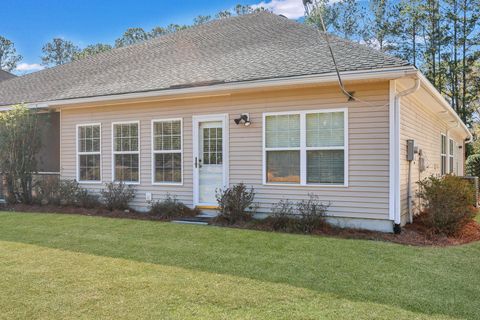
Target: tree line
(440, 37)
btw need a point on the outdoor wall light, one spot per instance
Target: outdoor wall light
(245, 118)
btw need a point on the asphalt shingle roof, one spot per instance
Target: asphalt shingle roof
(4, 75)
(249, 47)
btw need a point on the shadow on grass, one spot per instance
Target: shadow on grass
(426, 280)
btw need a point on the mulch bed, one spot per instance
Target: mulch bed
(99, 212)
(413, 234)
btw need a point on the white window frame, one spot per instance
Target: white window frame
(443, 156)
(154, 152)
(126, 152)
(303, 148)
(451, 156)
(78, 154)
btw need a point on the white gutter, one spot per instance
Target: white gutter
(438, 96)
(396, 150)
(375, 74)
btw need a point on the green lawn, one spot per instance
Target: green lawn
(78, 267)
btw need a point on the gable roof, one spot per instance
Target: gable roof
(250, 47)
(4, 75)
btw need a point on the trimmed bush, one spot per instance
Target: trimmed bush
(236, 204)
(472, 165)
(171, 208)
(117, 195)
(447, 204)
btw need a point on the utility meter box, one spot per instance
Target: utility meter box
(410, 150)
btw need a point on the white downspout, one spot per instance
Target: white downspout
(396, 155)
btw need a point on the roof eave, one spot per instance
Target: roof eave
(373, 74)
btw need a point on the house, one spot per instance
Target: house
(252, 99)
(4, 75)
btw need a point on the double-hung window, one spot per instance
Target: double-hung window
(126, 152)
(167, 151)
(306, 148)
(443, 155)
(451, 153)
(88, 153)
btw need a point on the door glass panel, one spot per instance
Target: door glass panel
(210, 160)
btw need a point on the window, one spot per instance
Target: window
(88, 153)
(451, 150)
(307, 147)
(126, 152)
(443, 155)
(167, 151)
(212, 145)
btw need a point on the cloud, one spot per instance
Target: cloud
(29, 67)
(292, 9)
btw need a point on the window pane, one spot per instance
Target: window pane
(89, 139)
(167, 135)
(126, 167)
(325, 166)
(325, 129)
(282, 131)
(126, 137)
(168, 167)
(89, 167)
(283, 166)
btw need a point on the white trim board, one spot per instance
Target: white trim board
(154, 152)
(127, 152)
(303, 148)
(78, 154)
(196, 120)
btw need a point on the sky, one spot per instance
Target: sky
(32, 23)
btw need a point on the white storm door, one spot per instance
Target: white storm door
(210, 157)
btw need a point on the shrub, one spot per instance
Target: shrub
(170, 208)
(312, 213)
(472, 165)
(447, 204)
(47, 191)
(85, 199)
(305, 216)
(117, 196)
(282, 217)
(68, 191)
(53, 191)
(236, 204)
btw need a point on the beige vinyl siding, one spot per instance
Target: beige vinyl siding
(425, 127)
(367, 193)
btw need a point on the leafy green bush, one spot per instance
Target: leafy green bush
(117, 195)
(447, 203)
(305, 216)
(236, 204)
(472, 165)
(170, 208)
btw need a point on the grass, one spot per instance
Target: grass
(78, 267)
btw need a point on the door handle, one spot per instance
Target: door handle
(198, 162)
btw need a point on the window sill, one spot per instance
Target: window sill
(167, 183)
(305, 185)
(89, 182)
